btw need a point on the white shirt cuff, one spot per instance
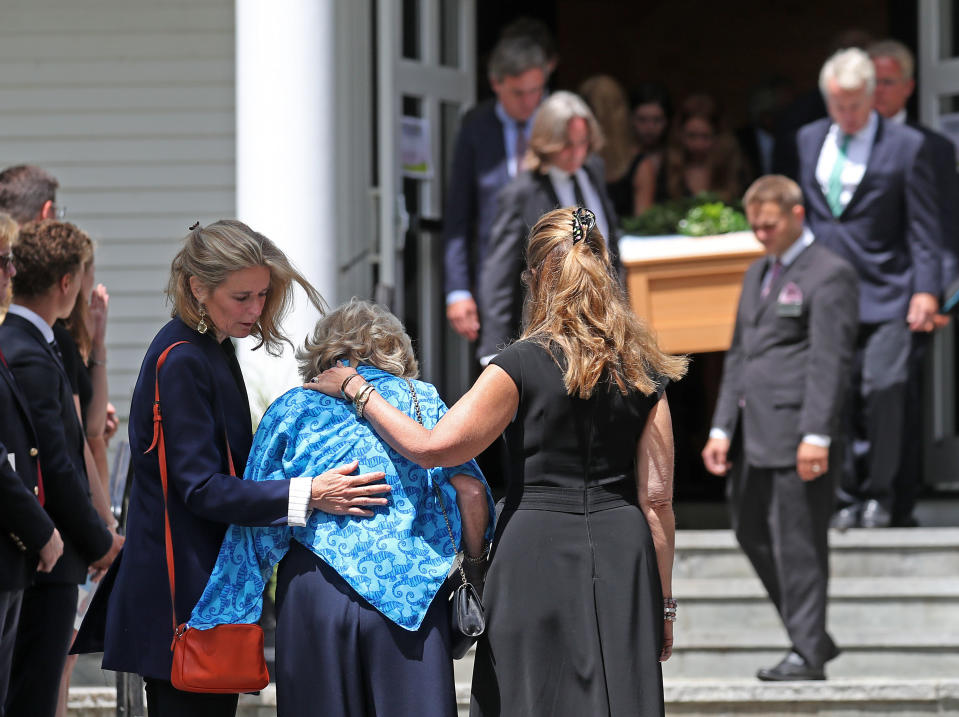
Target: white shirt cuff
(817, 440)
(458, 295)
(299, 506)
(718, 433)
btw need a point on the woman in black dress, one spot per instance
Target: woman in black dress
(576, 595)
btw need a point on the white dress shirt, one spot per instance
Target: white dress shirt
(787, 258)
(857, 157)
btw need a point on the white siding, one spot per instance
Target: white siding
(130, 104)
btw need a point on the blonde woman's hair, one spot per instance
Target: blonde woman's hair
(610, 105)
(551, 127)
(213, 252)
(576, 302)
(362, 332)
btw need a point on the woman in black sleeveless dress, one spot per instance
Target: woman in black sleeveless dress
(582, 556)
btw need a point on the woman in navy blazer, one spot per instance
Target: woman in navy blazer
(227, 281)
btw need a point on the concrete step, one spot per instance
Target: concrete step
(834, 698)
(703, 698)
(899, 552)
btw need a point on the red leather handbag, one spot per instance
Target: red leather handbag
(226, 658)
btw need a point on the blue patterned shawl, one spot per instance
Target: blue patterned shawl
(397, 560)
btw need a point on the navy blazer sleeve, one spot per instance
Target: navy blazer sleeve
(459, 222)
(193, 431)
(20, 512)
(499, 277)
(65, 483)
(833, 323)
(923, 223)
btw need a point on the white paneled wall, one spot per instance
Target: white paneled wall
(130, 104)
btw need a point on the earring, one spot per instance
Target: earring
(201, 325)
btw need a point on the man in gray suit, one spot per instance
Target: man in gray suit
(777, 416)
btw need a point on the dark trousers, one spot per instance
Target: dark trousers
(338, 656)
(875, 413)
(164, 700)
(43, 638)
(10, 601)
(781, 523)
(908, 483)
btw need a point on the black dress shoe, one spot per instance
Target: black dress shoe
(846, 518)
(792, 667)
(874, 515)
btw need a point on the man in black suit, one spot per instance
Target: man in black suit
(569, 176)
(780, 400)
(28, 539)
(871, 197)
(49, 256)
(894, 65)
(489, 152)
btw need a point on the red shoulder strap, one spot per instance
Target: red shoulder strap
(160, 445)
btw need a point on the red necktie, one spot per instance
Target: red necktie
(41, 496)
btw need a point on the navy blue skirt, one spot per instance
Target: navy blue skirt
(336, 655)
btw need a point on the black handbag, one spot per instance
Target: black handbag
(467, 616)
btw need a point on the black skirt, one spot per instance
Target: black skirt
(574, 612)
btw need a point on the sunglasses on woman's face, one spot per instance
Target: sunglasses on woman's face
(6, 261)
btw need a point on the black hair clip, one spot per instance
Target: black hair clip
(194, 226)
(584, 221)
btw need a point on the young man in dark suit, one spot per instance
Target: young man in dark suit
(45, 289)
(871, 197)
(28, 539)
(778, 413)
(489, 152)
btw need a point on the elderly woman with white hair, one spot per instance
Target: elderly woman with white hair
(363, 625)
(562, 170)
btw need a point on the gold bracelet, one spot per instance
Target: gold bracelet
(361, 397)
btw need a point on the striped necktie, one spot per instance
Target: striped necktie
(834, 186)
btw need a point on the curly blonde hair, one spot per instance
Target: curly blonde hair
(576, 302)
(362, 332)
(213, 252)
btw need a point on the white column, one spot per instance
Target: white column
(285, 168)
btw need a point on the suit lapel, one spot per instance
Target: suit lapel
(751, 288)
(7, 376)
(878, 146)
(812, 180)
(793, 270)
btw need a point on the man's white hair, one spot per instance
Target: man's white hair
(851, 69)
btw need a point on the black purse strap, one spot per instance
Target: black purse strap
(439, 496)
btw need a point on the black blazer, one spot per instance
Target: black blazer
(889, 231)
(60, 441)
(787, 369)
(203, 402)
(25, 527)
(479, 171)
(521, 203)
(943, 153)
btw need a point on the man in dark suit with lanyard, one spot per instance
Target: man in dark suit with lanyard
(45, 289)
(894, 65)
(489, 152)
(28, 539)
(871, 197)
(777, 417)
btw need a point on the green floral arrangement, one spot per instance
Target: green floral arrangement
(702, 215)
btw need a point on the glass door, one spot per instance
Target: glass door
(939, 108)
(426, 62)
